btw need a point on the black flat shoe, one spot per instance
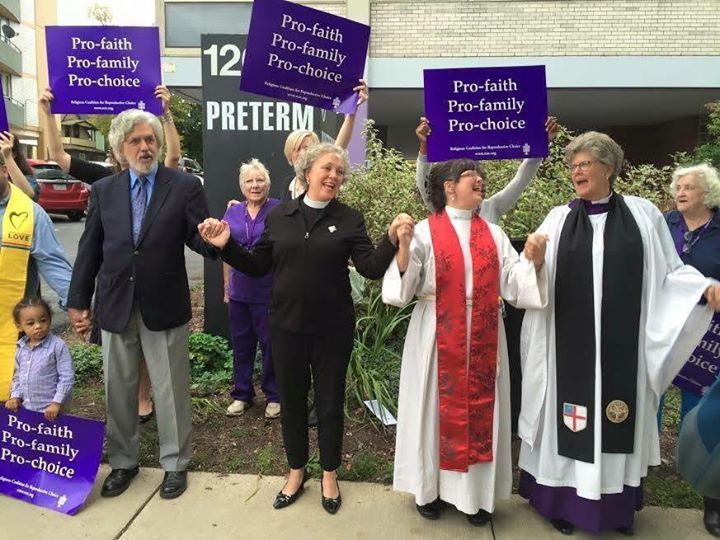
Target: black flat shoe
(282, 500)
(711, 519)
(563, 526)
(429, 510)
(479, 519)
(118, 481)
(627, 531)
(331, 506)
(144, 418)
(174, 484)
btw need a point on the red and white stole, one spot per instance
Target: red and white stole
(466, 383)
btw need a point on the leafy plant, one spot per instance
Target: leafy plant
(383, 187)
(374, 370)
(87, 359)
(211, 362)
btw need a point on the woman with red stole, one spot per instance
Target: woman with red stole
(453, 433)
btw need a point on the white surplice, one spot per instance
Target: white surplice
(671, 325)
(417, 453)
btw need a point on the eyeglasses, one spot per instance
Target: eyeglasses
(471, 174)
(583, 165)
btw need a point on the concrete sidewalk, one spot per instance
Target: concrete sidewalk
(240, 506)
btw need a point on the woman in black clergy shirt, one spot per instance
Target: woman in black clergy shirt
(307, 243)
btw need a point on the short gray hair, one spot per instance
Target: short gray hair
(708, 178)
(602, 147)
(254, 165)
(125, 122)
(308, 157)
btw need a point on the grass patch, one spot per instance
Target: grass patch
(672, 493)
(264, 459)
(366, 467)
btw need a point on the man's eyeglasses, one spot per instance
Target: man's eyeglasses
(583, 165)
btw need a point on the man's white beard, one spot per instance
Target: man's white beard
(142, 171)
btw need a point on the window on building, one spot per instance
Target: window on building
(185, 22)
(7, 84)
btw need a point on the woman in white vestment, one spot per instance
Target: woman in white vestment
(622, 317)
(453, 434)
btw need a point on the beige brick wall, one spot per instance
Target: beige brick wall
(428, 28)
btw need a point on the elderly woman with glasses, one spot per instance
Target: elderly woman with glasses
(622, 317)
(247, 297)
(695, 228)
(306, 246)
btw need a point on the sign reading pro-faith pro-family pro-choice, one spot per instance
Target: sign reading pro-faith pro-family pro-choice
(300, 54)
(103, 69)
(486, 113)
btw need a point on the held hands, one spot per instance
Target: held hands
(535, 249)
(53, 411)
(712, 295)
(13, 404)
(215, 232)
(46, 98)
(363, 92)
(6, 144)
(405, 234)
(81, 319)
(552, 127)
(400, 219)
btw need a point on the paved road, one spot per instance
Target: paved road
(68, 234)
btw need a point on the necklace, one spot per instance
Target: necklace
(685, 240)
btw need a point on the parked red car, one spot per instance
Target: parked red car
(60, 193)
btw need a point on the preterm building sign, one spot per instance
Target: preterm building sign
(486, 113)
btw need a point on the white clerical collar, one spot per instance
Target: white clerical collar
(604, 200)
(458, 213)
(315, 204)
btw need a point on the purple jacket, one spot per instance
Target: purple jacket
(247, 232)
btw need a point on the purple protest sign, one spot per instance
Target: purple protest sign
(702, 368)
(4, 124)
(49, 464)
(300, 54)
(486, 113)
(103, 69)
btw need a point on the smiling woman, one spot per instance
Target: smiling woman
(306, 245)
(623, 317)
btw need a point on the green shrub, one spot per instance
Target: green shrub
(374, 370)
(87, 359)
(211, 362)
(382, 188)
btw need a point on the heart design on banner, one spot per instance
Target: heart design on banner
(18, 218)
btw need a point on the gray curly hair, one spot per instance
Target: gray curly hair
(708, 178)
(124, 123)
(308, 157)
(601, 146)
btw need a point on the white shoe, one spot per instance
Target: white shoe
(272, 410)
(237, 408)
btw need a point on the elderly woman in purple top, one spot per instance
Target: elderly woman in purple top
(248, 298)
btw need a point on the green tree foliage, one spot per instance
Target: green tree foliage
(383, 187)
(188, 121)
(709, 152)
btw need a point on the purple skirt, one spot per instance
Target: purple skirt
(610, 512)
